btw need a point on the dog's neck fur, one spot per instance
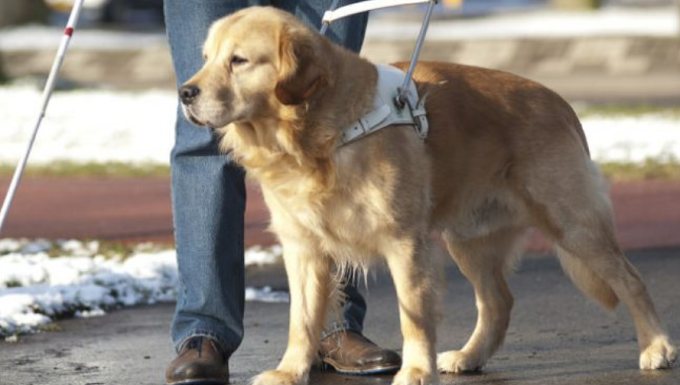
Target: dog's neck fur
(299, 144)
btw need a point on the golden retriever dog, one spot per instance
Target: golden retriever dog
(503, 154)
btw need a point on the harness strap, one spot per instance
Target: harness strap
(366, 124)
(387, 111)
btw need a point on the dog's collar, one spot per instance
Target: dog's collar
(387, 111)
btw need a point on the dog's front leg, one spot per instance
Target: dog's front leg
(414, 276)
(310, 282)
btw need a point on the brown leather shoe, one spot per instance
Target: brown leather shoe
(200, 362)
(351, 353)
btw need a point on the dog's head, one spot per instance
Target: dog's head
(257, 62)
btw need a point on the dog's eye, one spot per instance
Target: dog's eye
(237, 60)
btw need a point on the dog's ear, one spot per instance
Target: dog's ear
(304, 66)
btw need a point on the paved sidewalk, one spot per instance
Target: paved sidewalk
(138, 210)
(555, 337)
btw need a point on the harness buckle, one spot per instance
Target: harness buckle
(418, 114)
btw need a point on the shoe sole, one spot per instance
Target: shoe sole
(328, 364)
(199, 382)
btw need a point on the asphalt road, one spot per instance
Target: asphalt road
(556, 336)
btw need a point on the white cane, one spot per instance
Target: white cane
(47, 93)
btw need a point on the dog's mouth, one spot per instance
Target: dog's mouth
(191, 117)
(208, 119)
(197, 122)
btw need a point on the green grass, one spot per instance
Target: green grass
(585, 111)
(108, 249)
(123, 251)
(101, 170)
(649, 170)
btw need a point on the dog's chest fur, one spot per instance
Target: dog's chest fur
(343, 222)
(372, 200)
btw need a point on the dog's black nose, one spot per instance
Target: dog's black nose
(188, 94)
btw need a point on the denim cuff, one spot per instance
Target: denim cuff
(340, 326)
(225, 348)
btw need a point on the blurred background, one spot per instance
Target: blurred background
(149, 13)
(121, 42)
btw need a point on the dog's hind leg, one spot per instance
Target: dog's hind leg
(309, 279)
(414, 275)
(598, 258)
(484, 262)
(580, 222)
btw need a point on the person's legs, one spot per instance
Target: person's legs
(208, 191)
(348, 32)
(208, 195)
(209, 199)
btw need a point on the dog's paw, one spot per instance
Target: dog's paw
(278, 377)
(414, 376)
(457, 361)
(660, 354)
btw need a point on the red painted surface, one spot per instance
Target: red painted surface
(136, 210)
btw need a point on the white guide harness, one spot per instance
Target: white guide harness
(387, 110)
(396, 100)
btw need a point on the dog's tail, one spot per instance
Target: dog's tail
(587, 280)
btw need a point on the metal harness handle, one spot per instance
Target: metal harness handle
(334, 14)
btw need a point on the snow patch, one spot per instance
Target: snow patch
(36, 287)
(266, 294)
(88, 126)
(633, 139)
(137, 128)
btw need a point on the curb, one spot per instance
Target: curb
(633, 68)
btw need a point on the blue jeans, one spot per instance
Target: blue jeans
(208, 191)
